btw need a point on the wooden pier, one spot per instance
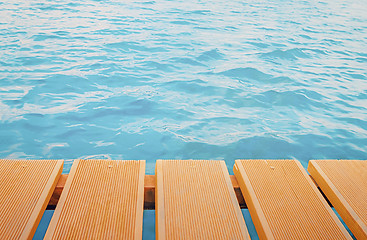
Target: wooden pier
(193, 199)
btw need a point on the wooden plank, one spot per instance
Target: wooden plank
(26, 187)
(102, 199)
(238, 192)
(344, 182)
(149, 192)
(57, 192)
(195, 200)
(284, 203)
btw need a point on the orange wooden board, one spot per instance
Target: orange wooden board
(344, 182)
(196, 200)
(149, 192)
(102, 199)
(284, 203)
(26, 187)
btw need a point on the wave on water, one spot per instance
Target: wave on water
(290, 54)
(212, 80)
(218, 80)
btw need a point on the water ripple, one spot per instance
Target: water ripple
(290, 54)
(246, 73)
(158, 79)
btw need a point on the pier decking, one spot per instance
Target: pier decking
(101, 200)
(196, 200)
(193, 199)
(344, 183)
(284, 203)
(25, 190)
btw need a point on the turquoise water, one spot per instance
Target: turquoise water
(183, 79)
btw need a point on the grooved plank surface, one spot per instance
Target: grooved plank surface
(26, 187)
(195, 200)
(344, 183)
(284, 203)
(102, 199)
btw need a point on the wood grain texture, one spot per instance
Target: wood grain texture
(195, 200)
(26, 187)
(284, 203)
(102, 199)
(344, 183)
(149, 192)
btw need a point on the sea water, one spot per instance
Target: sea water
(188, 79)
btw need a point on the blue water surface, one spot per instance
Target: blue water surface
(183, 79)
